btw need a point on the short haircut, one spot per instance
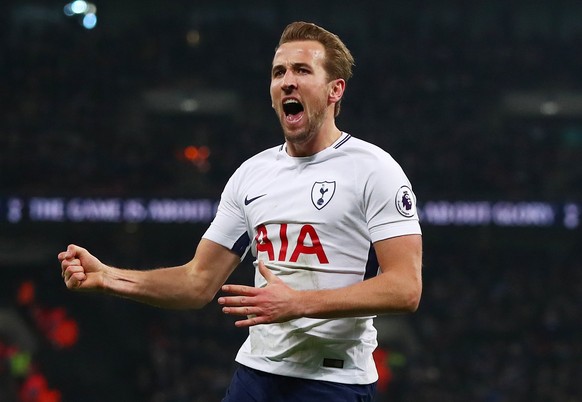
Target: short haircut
(338, 59)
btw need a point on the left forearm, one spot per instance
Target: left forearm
(386, 293)
(397, 289)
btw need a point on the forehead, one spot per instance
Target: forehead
(307, 52)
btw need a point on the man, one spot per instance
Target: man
(332, 223)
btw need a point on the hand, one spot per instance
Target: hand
(276, 302)
(80, 269)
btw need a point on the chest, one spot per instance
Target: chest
(318, 194)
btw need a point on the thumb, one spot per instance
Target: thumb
(266, 273)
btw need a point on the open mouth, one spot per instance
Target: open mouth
(293, 110)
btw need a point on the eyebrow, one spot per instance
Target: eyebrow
(293, 66)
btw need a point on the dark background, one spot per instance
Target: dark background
(478, 101)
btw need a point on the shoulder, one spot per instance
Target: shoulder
(265, 157)
(250, 172)
(365, 155)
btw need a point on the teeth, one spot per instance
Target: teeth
(288, 101)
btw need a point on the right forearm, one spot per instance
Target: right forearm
(174, 287)
(188, 286)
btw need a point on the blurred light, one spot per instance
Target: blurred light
(91, 9)
(196, 154)
(65, 334)
(79, 7)
(571, 216)
(203, 152)
(20, 364)
(87, 12)
(90, 21)
(191, 153)
(68, 10)
(549, 108)
(189, 105)
(193, 37)
(26, 293)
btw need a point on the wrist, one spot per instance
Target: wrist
(108, 278)
(304, 307)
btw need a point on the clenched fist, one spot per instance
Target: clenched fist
(81, 270)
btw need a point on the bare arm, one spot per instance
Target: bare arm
(396, 289)
(191, 285)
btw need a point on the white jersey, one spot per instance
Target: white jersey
(313, 220)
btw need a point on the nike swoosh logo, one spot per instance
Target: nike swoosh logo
(249, 200)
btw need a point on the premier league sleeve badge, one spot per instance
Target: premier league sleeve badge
(406, 202)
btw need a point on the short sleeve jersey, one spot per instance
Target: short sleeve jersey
(313, 221)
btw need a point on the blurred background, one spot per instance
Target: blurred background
(120, 122)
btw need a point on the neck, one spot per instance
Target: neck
(327, 135)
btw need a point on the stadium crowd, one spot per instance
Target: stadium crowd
(422, 91)
(499, 318)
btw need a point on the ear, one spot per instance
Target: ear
(336, 90)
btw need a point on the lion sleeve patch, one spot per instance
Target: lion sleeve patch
(406, 202)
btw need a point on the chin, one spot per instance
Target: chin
(297, 137)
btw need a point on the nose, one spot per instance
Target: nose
(288, 83)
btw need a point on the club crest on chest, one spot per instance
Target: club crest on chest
(322, 193)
